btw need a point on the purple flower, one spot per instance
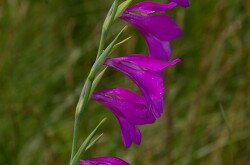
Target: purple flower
(103, 161)
(146, 72)
(129, 108)
(157, 28)
(183, 3)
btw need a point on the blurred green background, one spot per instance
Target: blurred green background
(47, 48)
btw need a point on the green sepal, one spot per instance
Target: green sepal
(97, 80)
(122, 7)
(110, 16)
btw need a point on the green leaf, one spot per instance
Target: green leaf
(93, 142)
(119, 44)
(85, 144)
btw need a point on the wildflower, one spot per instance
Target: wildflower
(146, 72)
(130, 110)
(103, 161)
(183, 3)
(157, 28)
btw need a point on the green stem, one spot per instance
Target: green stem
(84, 98)
(87, 89)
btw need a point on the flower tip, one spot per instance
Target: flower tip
(177, 60)
(125, 28)
(104, 119)
(127, 145)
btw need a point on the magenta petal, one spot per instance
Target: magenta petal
(142, 62)
(103, 161)
(160, 26)
(126, 104)
(146, 73)
(158, 49)
(183, 3)
(150, 7)
(129, 108)
(158, 30)
(130, 133)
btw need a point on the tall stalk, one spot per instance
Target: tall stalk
(87, 88)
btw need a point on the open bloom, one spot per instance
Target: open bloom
(146, 72)
(183, 3)
(103, 161)
(129, 108)
(157, 28)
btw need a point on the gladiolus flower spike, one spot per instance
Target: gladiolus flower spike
(131, 109)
